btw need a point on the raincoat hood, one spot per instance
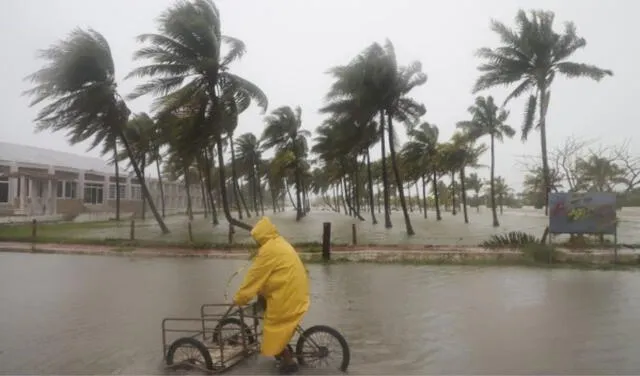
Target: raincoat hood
(264, 231)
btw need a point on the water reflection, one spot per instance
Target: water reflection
(88, 315)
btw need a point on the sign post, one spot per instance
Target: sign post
(584, 213)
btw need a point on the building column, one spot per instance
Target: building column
(81, 185)
(13, 183)
(50, 197)
(23, 191)
(105, 195)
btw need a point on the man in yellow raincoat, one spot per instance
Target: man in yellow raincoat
(278, 275)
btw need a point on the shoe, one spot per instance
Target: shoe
(288, 369)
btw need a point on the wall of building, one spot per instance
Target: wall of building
(71, 192)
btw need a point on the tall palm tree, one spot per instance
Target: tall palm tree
(284, 131)
(138, 132)
(186, 60)
(79, 82)
(465, 154)
(249, 153)
(487, 119)
(421, 151)
(599, 174)
(530, 57)
(474, 183)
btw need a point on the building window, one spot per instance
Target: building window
(67, 189)
(93, 193)
(70, 189)
(123, 191)
(136, 192)
(4, 189)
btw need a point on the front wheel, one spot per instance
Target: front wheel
(322, 346)
(188, 352)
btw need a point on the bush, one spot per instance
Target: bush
(513, 239)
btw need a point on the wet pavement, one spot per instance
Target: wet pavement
(64, 314)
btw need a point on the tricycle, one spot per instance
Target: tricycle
(217, 341)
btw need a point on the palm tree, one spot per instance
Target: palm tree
(79, 81)
(249, 153)
(138, 132)
(501, 190)
(487, 119)
(474, 183)
(186, 60)
(284, 132)
(421, 151)
(531, 56)
(465, 154)
(599, 174)
(534, 185)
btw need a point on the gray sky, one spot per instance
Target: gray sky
(291, 44)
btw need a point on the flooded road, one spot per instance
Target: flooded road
(100, 315)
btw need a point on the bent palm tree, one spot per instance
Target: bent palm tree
(487, 119)
(79, 80)
(531, 56)
(186, 60)
(284, 132)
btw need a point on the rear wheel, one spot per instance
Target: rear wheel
(229, 332)
(322, 346)
(188, 353)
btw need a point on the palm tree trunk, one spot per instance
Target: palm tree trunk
(370, 183)
(424, 197)
(289, 194)
(143, 183)
(410, 199)
(544, 104)
(453, 193)
(356, 188)
(493, 183)
(144, 201)
(242, 200)
(477, 201)
(187, 185)
(115, 159)
(234, 179)
(435, 196)
(202, 190)
(160, 183)
(210, 163)
(223, 191)
(385, 178)
(463, 193)
(396, 172)
(415, 185)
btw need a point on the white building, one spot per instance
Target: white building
(36, 181)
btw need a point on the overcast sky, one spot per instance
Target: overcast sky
(291, 44)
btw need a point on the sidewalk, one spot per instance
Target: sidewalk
(450, 254)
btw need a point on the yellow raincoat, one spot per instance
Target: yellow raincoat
(277, 273)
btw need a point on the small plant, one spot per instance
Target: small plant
(513, 239)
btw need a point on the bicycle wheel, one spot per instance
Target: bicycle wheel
(188, 352)
(229, 332)
(322, 346)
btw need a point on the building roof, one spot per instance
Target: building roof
(46, 157)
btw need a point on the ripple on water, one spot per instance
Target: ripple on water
(94, 315)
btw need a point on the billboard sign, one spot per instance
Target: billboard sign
(582, 213)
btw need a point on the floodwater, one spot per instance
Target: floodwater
(451, 230)
(99, 315)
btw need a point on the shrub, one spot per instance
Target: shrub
(513, 239)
